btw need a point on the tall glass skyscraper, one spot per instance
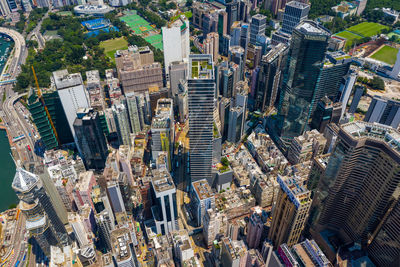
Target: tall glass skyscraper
(305, 59)
(201, 88)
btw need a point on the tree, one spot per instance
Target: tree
(377, 83)
(189, 3)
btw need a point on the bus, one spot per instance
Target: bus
(29, 148)
(19, 137)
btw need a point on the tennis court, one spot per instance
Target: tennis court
(155, 40)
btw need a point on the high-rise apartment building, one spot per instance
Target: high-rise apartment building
(120, 114)
(270, 77)
(257, 27)
(359, 183)
(163, 194)
(176, 42)
(162, 128)
(202, 199)
(255, 228)
(91, 139)
(72, 95)
(290, 212)
(306, 54)
(135, 116)
(137, 70)
(211, 45)
(177, 72)
(42, 220)
(201, 88)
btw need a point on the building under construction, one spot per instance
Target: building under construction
(42, 122)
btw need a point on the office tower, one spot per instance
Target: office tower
(41, 121)
(115, 197)
(325, 113)
(137, 70)
(90, 139)
(105, 226)
(237, 55)
(81, 234)
(201, 88)
(255, 228)
(134, 112)
(277, 5)
(254, 54)
(120, 114)
(336, 65)
(96, 94)
(224, 105)
(244, 38)
(365, 159)
(162, 129)
(384, 111)
(384, 248)
(42, 220)
(163, 195)
(257, 26)
(236, 123)
(270, 77)
(222, 23)
(72, 95)
(394, 74)
(290, 212)
(211, 45)
(356, 99)
(306, 54)
(176, 42)
(345, 90)
(42, 3)
(232, 9)
(121, 242)
(225, 43)
(226, 79)
(202, 199)
(177, 72)
(295, 12)
(361, 4)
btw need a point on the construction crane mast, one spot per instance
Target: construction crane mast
(39, 93)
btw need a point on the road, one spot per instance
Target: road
(20, 244)
(36, 32)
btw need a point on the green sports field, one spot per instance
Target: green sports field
(350, 37)
(111, 46)
(367, 29)
(386, 54)
(141, 27)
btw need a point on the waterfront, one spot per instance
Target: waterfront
(7, 166)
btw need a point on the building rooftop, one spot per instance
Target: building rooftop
(386, 134)
(62, 79)
(297, 4)
(312, 28)
(203, 189)
(162, 181)
(201, 67)
(120, 240)
(24, 180)
(295, 189)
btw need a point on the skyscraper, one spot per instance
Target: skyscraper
(290, 212)
(121, 242)
(176, 42)
(201, 87)
(270, 77)
(91, 139)
(163, 193)
(120, 114)
(72, 94)
(257, 27)
(306, 55)
(232, 9)
(42, 220)
(359, 183)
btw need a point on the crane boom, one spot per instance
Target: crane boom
(39, 92)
